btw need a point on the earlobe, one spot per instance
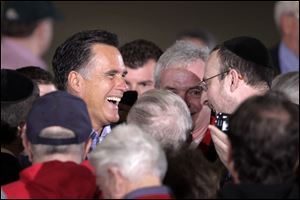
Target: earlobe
(87, 147)
(39, 30)
(74, 82)
(27, 147)
(118, 182)
(234, 80)
(21, 129)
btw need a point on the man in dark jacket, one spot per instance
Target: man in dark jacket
(264, 148)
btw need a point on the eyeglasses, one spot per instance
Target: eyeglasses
(203, 83)
(195, 92)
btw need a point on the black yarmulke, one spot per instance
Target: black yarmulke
(14, 86)
(250, 49)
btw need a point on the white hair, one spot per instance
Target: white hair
(132, 151)
(164, 115)
(288, 83)
(178, 55)
(285, 7)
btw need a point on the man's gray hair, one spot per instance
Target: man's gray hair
(164, 115)
(285, 7)
(180, 55)
(288, 83)
(135, 153)
(43, 152)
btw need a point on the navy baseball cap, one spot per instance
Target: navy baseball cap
(29, 11)
(61, 109)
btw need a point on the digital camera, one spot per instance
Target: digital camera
(222, 122)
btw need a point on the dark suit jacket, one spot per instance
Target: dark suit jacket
(260, 191)
(275, 59)
(10, 168)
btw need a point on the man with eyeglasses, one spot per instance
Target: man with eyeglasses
(179, 69)
(236, 70)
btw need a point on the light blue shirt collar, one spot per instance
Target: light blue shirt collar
(288, 61)
(97, 138)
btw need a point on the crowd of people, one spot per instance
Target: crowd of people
(135, 121)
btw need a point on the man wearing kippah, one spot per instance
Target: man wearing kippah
(17, 96)
(236, 70)
(56, 141)
(27, 29)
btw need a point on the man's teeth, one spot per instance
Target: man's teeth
(114, 99)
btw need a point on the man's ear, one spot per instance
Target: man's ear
(75, 82)
(230, 164)
(21, 128)
(118, 182)
(234, 79)
(39, 30)
(87, 147)
(27, 146)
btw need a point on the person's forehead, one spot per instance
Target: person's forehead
(106, 56)
(105, 50)
(212, 64)
(179, 72)
(146, 69)
(46, 88)
(139, 74)
(196, 66)
(178, 78)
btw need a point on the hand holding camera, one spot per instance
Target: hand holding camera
(219, 135)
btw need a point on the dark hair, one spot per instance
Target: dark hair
(136, 53)
(14, 113)
(8, 133)
(200, 34)
(75, 53)
(190, 175)
(264, 135)
(37, 74)
(17, 29)
(252, 73)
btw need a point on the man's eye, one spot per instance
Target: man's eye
(111, 74)
(195, 92)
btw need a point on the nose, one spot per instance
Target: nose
(132, 87)
(185, 97)
(182, 95)
(121, 84)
